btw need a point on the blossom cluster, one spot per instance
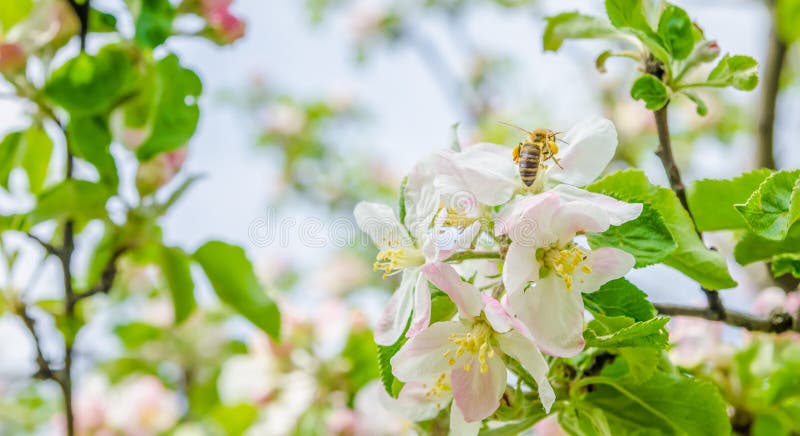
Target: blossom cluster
(512, 259)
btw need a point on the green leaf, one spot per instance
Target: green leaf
(101, 22)
(154, 22)
(235, 419)
(36, 157)
(647, 238)
(232, 277)
(702, 109)
(12, 12)
(9, 156)
(174, 109)
(712, 201)
(650, 90)
(403, 200)
(573, 25)
(90, 140)
(177, 272)
(93, 84)
(752, 248)
(385, 354)
(738, 71)
(360, 350)
(442, 307)
(692, 258)
(640, 363)
(787, 14)
(78, 200)
(774, 206)
(620, 298)
(628, 16)
(135, 334)
(787, 263)
(665, 405)
(675, 28)
(621, 331)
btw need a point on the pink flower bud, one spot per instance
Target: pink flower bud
(158, 171)
(226, 27)
(12, 57)
(707, 51)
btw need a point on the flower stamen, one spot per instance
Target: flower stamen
(565, 262)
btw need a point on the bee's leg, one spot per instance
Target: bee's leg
(558, 164)
(515, 153)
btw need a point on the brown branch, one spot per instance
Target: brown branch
(45, 370)
(778, 322)
(664, 152)
(106, 278)
(776, 55)
(49, 248)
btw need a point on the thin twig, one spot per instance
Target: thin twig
(50, 248)
(106, 278)
(45, 370)
(778, 322)
(466, 255)
(776, 55)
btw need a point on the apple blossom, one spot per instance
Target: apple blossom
(463, 358)
(227, 28)
(406, 248)
(545, 270)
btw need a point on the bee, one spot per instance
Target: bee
(531, 154)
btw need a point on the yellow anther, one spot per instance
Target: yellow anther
(565, 262)
(467, 367)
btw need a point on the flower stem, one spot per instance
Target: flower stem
(467, 255)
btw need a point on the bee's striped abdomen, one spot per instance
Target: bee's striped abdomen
(529, 156)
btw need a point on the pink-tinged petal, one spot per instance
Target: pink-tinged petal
(606, 264)
(414, 401)
(422, 307)
(486, 171)
(477, 394)
(395, 314)
(528, 355)
(459, 426)
(496, 314)
(553, 315)
(465, 295)
(592, 144)
(527, 219)
(618, 211)
(520, 267)
(381, 224)
(577, 217)
(422, 357)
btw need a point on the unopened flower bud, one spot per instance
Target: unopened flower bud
(706, 51)
(226, 27)
(12, 57)
(158, 171)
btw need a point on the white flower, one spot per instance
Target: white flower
(405, 249)
(543, 254)
(463, 360)
(489, 173)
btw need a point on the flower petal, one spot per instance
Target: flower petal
(465, 295)
(396, 312)
(414, 402)
(422, 357)
(618, 211)
(592, 144)
(496, 314)
(553, 315)
(527, 220)
(459, 426)
(421, 198)
(528, 355)
(422, 307)
(520, 267)
(483, 170)
(577, 217)
(381, 224)
(606, 263)
(477, 394)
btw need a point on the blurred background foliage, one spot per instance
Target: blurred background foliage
(200, 369)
